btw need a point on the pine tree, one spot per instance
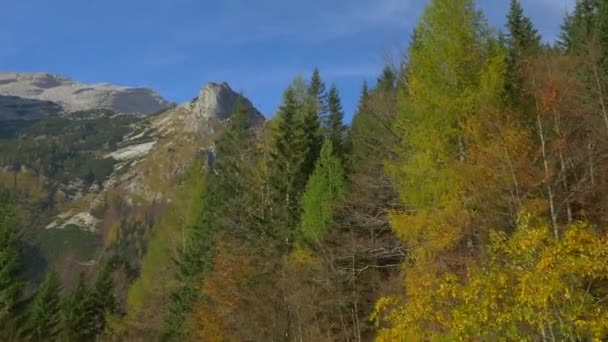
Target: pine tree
(601, 33)
(99, 302)
(578, 27)
(387, 80)
(232, 174)
(296, 147)
(324, 187)
(45, 316)
(286, 162)
(523, 41)
(371, 135)
(312, 133)
(226, 198)
(336, 127)
(75, 310)
(10, 283)
(523, 36)
(316, 89)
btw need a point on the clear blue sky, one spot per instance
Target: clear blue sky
(257, 46)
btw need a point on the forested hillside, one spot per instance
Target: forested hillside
(466, 200)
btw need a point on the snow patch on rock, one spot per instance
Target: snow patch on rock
(84, 221)
(132, 152)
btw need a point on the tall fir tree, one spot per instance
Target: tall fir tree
(601, 33)
(387, 81)
(312, 133)
(45, 315)
(75, 311)
(11, 285)
(226, 199)
(232, 174)
(286, 162)
(325, 186)
(317, 90)
(523, 36)
(194, 261)
(578, 27)
(523, 42)
(336, 128)
(99, 303)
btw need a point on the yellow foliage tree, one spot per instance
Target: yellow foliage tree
(531, 286)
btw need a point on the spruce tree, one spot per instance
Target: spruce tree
(226, 198)
(387, 80)
(578, 27)
(231, 181)
(336, 127)
(523, 41)
(601, 33)
(99, 303)
(316, 89)
(75, 310)
(287, 162)
(45, 315)
(312, 133)
(523, 36)
(364, 94)
(324, 187)
(10, 283)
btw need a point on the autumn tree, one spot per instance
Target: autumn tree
(437, 225)
(529, 286)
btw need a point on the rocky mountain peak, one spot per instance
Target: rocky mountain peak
(75, 96)
(214, 104)
(217, 101)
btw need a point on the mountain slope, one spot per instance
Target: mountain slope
(98, 180)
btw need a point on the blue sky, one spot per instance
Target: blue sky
(257, 46)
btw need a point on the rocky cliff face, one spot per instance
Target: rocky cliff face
(74, 96)
(154, 154)
(214, 103)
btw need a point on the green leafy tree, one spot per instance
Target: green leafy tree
(324, 187)
(45, 315)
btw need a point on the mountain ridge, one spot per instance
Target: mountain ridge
(73, 96)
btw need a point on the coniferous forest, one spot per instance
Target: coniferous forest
(467, 200)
